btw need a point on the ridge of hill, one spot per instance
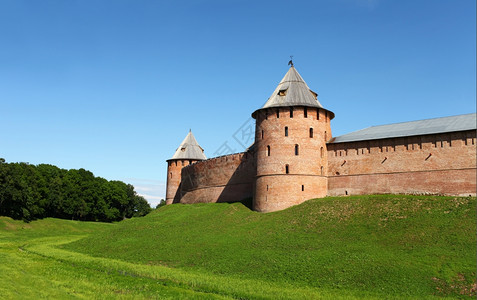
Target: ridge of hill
(404, 246)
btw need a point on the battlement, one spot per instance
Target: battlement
(295, 157)
(219, 159)
(227, 178)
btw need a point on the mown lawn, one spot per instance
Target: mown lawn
(32, 268)
(388, 246)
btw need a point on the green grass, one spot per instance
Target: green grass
(31, 266)
(388, 246)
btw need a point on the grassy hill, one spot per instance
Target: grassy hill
(365, 246)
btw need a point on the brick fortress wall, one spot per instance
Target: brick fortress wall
(428, 164)
(227, 178)
(291, 156)
(174, 169)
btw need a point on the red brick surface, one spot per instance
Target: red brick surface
(428, 164)
(223, 179)
(436, 164)
(174, 168)
(276, 190)
(438, 182)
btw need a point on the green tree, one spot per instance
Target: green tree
(28, 192)
(161, 203)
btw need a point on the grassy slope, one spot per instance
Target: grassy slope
(32, 268)
(361, 246)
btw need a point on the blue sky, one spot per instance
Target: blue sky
(115, 86)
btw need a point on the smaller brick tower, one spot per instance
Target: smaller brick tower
(291, 132)
(188, 152)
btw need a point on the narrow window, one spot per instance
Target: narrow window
(266, 115)
(296, 149)
(287, 169)
(291, 112)
(268, 150)
(318, 114)
(267, 187)
(190, 162)
(311, 132)
(170, 175)
(278, 113)
(262, 134)
(302, 187)
(321, 152)
(306, 112)
(321, 171)
(326, 136)
(286, 131)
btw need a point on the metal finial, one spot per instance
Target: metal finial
(290, 63)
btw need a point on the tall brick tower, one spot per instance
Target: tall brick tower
(188, 152)
(290, 142)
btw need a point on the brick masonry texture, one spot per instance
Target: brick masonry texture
(174, 169)
(227, 178)
(292, 161)
(429, 164)
(290, 145)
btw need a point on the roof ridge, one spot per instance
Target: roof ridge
(297, 92)
(428, 119)
(189, 149)
(411, 128)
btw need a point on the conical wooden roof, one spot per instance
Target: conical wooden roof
(292, 91)
(189, 149)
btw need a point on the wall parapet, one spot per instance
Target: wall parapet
(226, 178)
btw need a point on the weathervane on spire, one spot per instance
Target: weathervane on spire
(290, 63)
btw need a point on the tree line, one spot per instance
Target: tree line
(30, 192)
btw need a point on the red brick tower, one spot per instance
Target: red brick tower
(188, 152)
(290, 142)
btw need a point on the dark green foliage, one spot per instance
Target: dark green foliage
(161, 203)
(30, 192)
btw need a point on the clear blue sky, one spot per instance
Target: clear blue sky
(114, 86)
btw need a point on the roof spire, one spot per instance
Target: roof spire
(292, 91)
(189, 149)
(290, 63)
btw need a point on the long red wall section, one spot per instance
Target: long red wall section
(227, 178)
(429, 164)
